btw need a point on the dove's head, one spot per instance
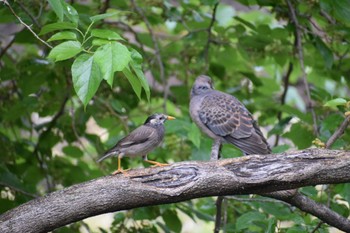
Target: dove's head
(202, 85)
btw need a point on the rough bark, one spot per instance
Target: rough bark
(183, 181)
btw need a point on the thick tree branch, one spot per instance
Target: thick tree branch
(184, 181)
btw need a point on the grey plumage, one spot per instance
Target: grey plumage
(140, 141)
(225, 119)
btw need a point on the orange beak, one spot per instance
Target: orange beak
(170, 118)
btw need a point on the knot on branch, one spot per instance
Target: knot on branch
(172, 178)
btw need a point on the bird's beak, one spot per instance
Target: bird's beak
(170, 118)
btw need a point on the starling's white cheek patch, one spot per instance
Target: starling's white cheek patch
(153, 121)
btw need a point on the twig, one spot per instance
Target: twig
(299, 47)
(218, 214)
(43, 135)
(19, 190)
(3, 51)
(338, 132)
(35, 21)
(317, 227)
(157, 51)
(284, 94)
(206, 48)
(105, 6)
(25, 25)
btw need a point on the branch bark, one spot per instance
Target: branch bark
(178, 182)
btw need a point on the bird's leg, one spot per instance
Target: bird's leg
(120, 169)
(215, 150)
(157, 164)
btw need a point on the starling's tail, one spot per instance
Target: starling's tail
(107, 155)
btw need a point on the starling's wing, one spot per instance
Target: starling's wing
(226, 117)
(138, 136)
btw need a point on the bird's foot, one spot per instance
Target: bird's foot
(156, 164)
(120, 171)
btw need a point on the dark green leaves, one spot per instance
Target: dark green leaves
(86, 77)
(105, 57)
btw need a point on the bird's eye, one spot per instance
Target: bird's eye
(203, 87)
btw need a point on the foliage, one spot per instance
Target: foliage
(58, 115)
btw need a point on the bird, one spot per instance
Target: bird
(140, 141)
(225, 119)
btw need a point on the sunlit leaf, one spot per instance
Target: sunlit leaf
(57, 7)
(102, 16)
(56, 26)
(86, 77)
(65, 50)
(335, 102)
(112, 57)
(106, 34)
(65, 35)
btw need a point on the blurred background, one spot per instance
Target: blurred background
(293, 79)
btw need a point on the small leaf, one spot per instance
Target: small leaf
(57, 7)
(65, 35)
(137, 67)
(325, 52)
(335, 102)
(70, 12)
(86, 77)
(112, 57)
(172, 221)
(73, 151)
(106, 34)
(102, 16)
(99, 42)
(248, 219)
(194, 135)
(133, 80)
(65, 50)
(56, 26)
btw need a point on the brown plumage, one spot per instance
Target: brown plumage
(225, 119)
(140, 141)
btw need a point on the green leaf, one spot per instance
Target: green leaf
(102, 16)
(99, 42)
(133, 80)
(171, 220)
(106, 34)
(57, 7)
(136, 65)
(56, 26)
(65, 35)
(244, 221)
(194, 135)
(295, 133)
(70, 12)
(65, 50)
(73, 151)
(325, 52)
(86, 77)
(335, 102)
(112, 57)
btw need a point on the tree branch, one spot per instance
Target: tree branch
(299, 47)
(157, 51)
(25, 25)
(339, 132)
(178, 182)
(206, 49)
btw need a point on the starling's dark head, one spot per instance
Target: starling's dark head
(158, 119)
(203, 84)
